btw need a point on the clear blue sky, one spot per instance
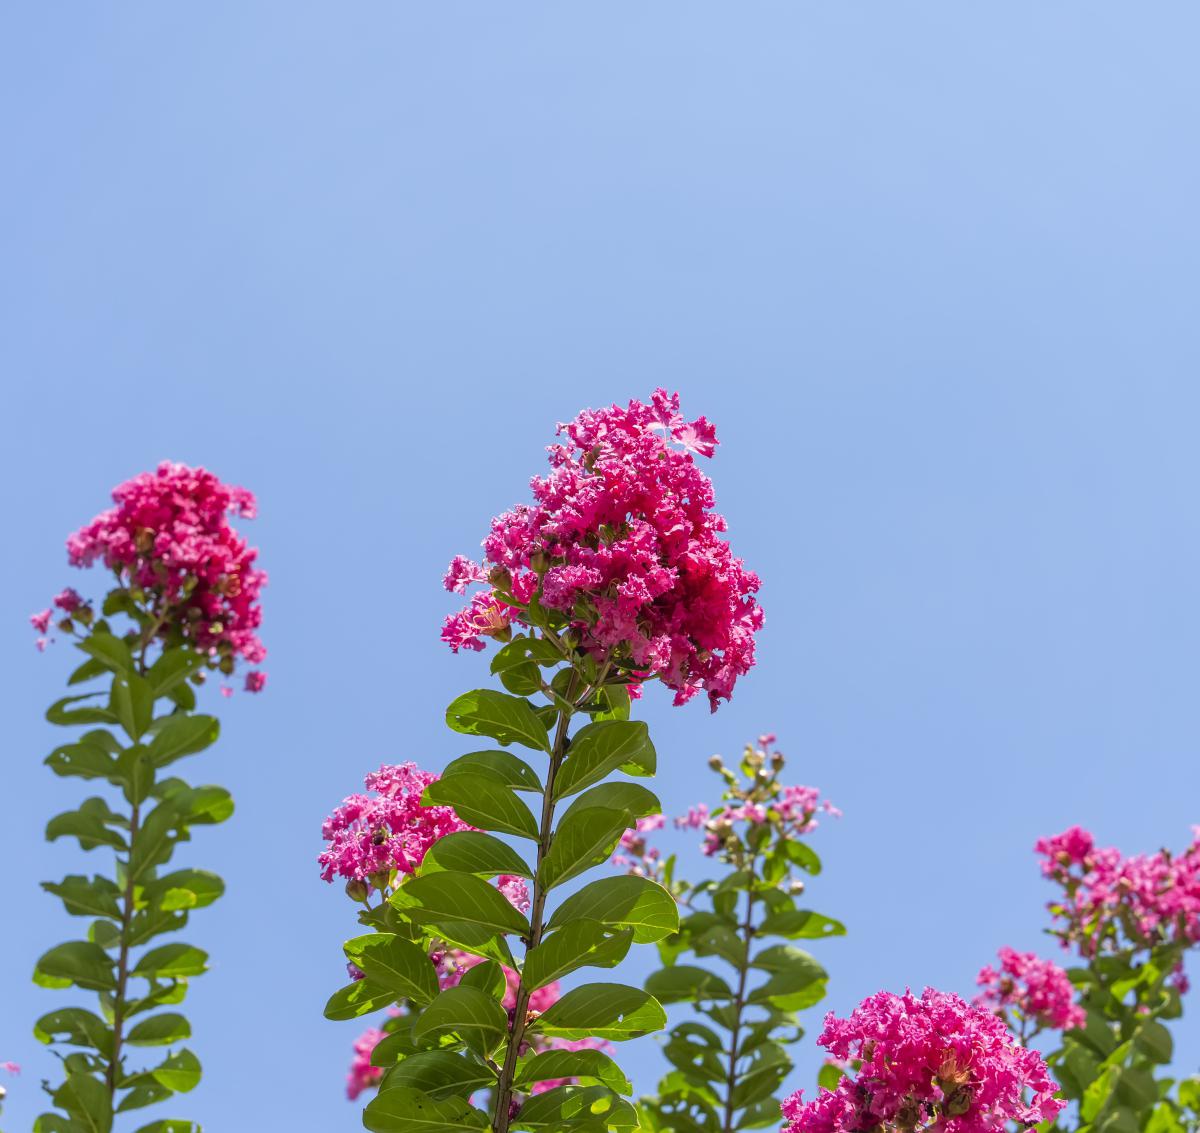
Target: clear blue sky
(930, 267)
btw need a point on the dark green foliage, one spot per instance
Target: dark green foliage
(145, 725)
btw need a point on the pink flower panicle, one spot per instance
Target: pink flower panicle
(364, 1076)
(1110, 901)
(1039, 990)
(933, 1062)
(169, 536)
(375, 834)
(621, 538)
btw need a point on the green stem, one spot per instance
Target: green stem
(504, 1089)
(119, 1005)
(739, 1002)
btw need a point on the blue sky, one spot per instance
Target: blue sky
(931, 269)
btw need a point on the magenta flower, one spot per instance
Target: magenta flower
(623, 539)
(364, 1076)
(1038, 990)
(370, 835)
(256, 681)
(169, 535)
(68, 600)
(933, 1062)
(1109, 899)
(41, 622)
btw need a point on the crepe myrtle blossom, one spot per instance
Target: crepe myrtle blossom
(170, 544)
(363, 1076)
(757, 799)
(371, 835)
(1037, 991)
(925, 1063)
(1111, 901)
(622, 540)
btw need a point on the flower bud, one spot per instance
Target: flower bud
(538, 563)
(357, 891)
(500, 578)
(716, 763)
(777, 762)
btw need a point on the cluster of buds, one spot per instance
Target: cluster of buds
(757, 805)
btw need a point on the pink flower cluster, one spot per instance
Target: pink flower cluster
(364, 1076)
(390, 830)
(622, 539)
(932, 1062)
(169, 535)
(1039, 990)
(1107, 898)
(793, 812)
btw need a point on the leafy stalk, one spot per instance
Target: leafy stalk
(727, 1068)
(448, 1046)
(503, 1094)
(146, 721)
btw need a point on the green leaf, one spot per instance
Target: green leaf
(183, 889)
(583, 839)
(109, 651)
(132, 704)
(170, 1125)
(586, 1065)
(801, 854)
(172, 668)
(581, 943)
(469, 851)
(62, 714)
(577, 1109)
(87, 1100)
(75, 1027)
(179, 1073)
(440, 1074)
(201, 806)
(623, 902)
(160, 1030)
(684, 983)
(801, 924)
(358, 998)
(404, 1110)
(162, 828)
(87, 896)
(602, 1011)
(502, 765)
(80, 962)
(1097, 1094)
(598, 749)
(488, 977)
(484, 802)
(446, 899)
(393, 962)
(474, 1016)
(91, 757)
(516, 671)
(1154, 1041)
(172, 961)
(631, 797)
(179, 735)
(90, 669)
(86, 824)
(507, 719)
